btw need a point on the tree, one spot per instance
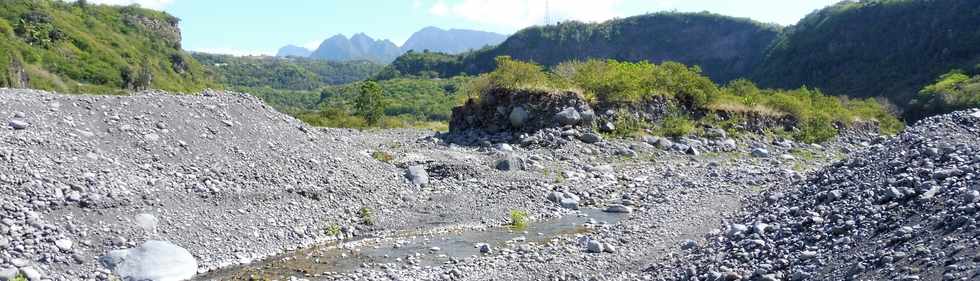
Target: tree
(369, 103)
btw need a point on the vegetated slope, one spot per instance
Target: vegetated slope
(724, 47)
(285, 73)
(953, 91)
(881, 48)
(903, 210)
(669, 99)
(78, 47)
(451, 41)
(323, 92)
(423, 103)
(872, 48)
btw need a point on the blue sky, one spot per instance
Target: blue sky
(261, 27)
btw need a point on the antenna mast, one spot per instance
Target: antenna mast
(547, 12)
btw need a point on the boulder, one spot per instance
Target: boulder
(692, 151)
(663, 143)
(32, 273)
(594, 247)
(417, 175)
(8, 273)
(18, 124)
(760, 152)
(715, 133)
(607, 127)
(555, 196)
(510, 163)
(64, 244)
(569, 203)
(590, 138)
(616, 208)
(568, 117)
(154, 260)
(588, 117)
(503, 147)
(518, 116)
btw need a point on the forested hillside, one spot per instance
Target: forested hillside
(724, 47)
(85, 48)
(880, 48)
(873, 48)
(285, 73)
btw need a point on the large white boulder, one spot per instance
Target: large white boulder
(152, 261)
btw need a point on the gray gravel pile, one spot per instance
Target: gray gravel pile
(905, 209)
(221, 175)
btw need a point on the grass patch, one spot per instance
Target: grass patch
(675, 126)
(382, 156)
(366, 215)
(519, 219)
(628, 125)
(333, 230)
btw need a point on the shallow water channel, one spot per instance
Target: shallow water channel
(413, 248)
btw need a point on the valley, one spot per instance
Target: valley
(659, 146)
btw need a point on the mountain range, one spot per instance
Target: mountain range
(363, 47)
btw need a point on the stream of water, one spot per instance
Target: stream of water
(411, 249)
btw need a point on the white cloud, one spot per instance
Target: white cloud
(523, 13)
(151, 4)
(439, 9)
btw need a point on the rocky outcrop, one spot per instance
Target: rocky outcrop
(521, 111)
(165, 29)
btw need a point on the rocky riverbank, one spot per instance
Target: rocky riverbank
(234, 182)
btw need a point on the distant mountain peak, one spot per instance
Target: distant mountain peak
(452, 41)
(293, 51)
(361, 46)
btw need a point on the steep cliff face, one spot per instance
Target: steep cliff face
(85, 48)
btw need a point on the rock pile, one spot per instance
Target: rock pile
(506, 114)
(220, 174)
(906, 209)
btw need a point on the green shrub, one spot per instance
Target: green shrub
(816, 129)
(369, 104)
(952, 91)
(519, 219)
(333, 230)
(628, 125)
(515, 74)
(366, 215)
(5, 28)
(675, 126)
